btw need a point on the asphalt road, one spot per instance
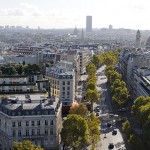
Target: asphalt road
(105, 106)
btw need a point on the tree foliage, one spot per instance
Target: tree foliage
(91, 68)
(92, 96)
(94, 131)
(126, 127)
(91, 85)
(120, 96)
(20, 69)
(80, 109)
(135, 142)
(25, 145)
(74, 132)
(141, 109)
(96, 60)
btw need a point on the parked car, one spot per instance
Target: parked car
(110, 146)
(108, 124)
(122, 109)
(97, 109)
(97, 113)
(114, 132)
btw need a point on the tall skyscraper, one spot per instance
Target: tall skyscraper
(88, 23)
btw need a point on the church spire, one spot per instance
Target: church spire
(138, 39)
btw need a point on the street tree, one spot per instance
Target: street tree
(117, 83)
(141, 109)
(135, 142)
(96, 60)
(92, 96)
(94, 131)
(146, 132)
(74, 133)
(91, 68)
(25, 145)
(120, 96)
(92, 78)
(80, 109)
(126, 127)
(91, 85)
(114, 75)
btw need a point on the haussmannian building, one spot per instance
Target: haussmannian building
(30, 117)
(62, 82)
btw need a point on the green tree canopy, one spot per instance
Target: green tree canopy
(74, 132)
(80, 109)
(113, 76)
(117, 83)
(120, 96)
(96, 60)
(135, 142)
(25, 145)
(141, 109)
(92, 96)
(126, 127)
(91, 85)
(94, 131)
(90, 68)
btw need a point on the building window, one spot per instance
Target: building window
(27, 132)
(46, 131)
(63, 93)
(27, 113)
(51, 140)
(63, 82)
(14, 133)
(19, 133)
(19, 113)
(68, 82)
(46, 142)
(13, 114)
(27, 123)
(51, 131)
(68, 93)
(38, 131)
(33, 132)
(33, 113)
(39, 113)
(63, 88)
(68, 88)
(46, 122)
(13, 124)
(32, 123)
(52, 122)
(19, 124)
(38, 122)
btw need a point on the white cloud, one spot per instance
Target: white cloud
(70, 13)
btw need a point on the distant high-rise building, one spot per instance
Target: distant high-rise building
(88, 23)
(110, 27)
(138, 39)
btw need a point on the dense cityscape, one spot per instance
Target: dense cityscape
(75, 88)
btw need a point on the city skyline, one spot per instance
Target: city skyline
(70, 13)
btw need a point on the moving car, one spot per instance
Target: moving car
(122, 109)
(110, 146)
(108, 124)
(114, 132)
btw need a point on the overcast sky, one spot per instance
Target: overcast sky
(133, 14)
